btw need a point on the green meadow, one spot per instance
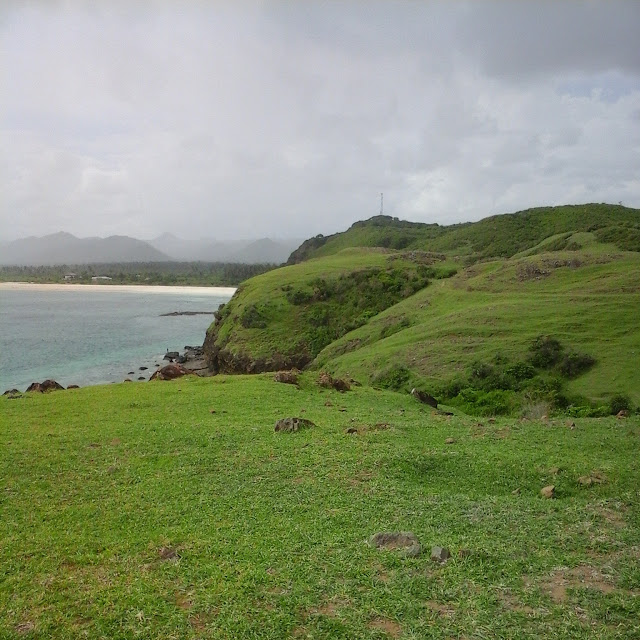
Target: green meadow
(173, 510)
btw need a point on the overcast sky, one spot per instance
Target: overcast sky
(282, 119)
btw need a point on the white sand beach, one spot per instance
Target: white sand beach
(199, 291)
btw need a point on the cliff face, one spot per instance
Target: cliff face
(221, 359)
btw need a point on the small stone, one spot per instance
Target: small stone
(623, 413)
(352, 430)
(143, 368)
(516, 492)
(554, 471)
(585, 481)
(440, 554)
(571, 424)
(289, 425)
(212, 410)
(287, 377)
(548, 492)
(406, 543)
(450, 441)
(464, 553)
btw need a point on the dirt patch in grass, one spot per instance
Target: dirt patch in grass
(331, 608)
(580, 577)
(183, 601)
(444, 610)
(25, 627)
(510, 601)
(387, 626)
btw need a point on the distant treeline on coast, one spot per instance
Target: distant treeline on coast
(148, 273)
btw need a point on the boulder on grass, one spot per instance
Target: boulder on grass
(424, 397)
(170, 372)
(289, 425)
(287, 377)
(406, 543)
(326, 381)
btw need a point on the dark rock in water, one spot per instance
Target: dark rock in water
(406, 543)
(170, 372)
(287, 377)
(141, 378)
(131, 373)
(181, 359)
(142, 368)
(288, 425)
(171, 355)
(424, 397)
(11, 392)
(127, 380)
(440, 554)
(34, 386)
(73, 386)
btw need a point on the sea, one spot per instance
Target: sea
(88, 335)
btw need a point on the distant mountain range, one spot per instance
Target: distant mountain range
(65, 248)
(245, 251)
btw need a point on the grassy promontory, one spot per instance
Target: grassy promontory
(456, 310)
(173, 510)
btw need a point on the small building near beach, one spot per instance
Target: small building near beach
(70, 276)
(100, 278)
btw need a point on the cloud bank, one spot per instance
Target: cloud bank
(284, 119)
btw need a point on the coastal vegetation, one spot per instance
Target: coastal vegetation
(147, 273)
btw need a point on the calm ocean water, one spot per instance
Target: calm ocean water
(94, 337)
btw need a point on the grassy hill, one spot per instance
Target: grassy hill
(173, 510)
(496, 236)
(457, 310)
(283, 318)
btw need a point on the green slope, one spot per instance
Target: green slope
(496, 236)
(588, 301)
(283, 318)
(367, 312)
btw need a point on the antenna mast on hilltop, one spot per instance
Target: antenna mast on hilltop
(381, 203)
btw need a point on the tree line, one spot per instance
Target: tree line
(149, 273)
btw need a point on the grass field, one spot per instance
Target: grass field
(173, 510)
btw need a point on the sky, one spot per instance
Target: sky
(288, 119)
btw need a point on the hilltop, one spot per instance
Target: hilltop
(455, 309)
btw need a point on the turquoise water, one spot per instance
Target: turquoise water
(95, 337)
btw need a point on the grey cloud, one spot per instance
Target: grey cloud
(237, 120)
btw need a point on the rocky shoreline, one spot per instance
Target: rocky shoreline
(191, 360)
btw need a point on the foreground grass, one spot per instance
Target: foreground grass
(172, 510)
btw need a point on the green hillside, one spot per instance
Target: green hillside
(285, 317)
(457, 310)
(496, 236)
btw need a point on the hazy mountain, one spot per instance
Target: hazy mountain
(245, 251)
(65, 248)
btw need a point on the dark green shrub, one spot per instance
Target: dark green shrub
(252, 318)
(574, 364)
(298, 296)
(620, 402)
(521, 371)
(545, 352)
(394, 378)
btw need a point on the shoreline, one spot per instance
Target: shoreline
(130, 288)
